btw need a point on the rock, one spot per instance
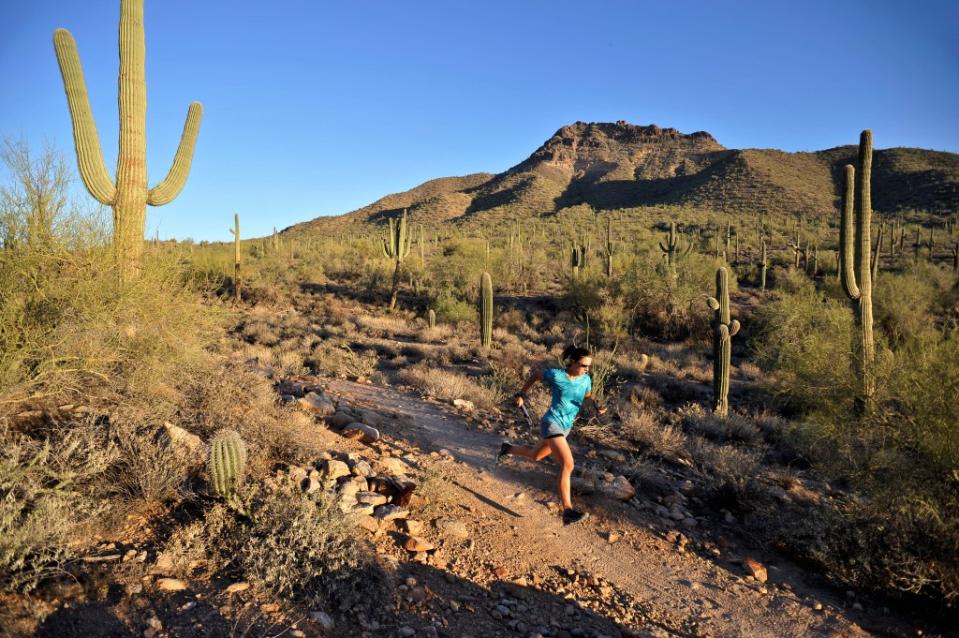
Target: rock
(612, 537)
(371, 498)
(310, 485)
(392, 465)
(361, 510)
(372, 418)
(452, 528)
(368, 523)
(613, 455)
(500, 572)
(417, 544)
(323, 620)
(362, 468)
(188, 444)
(237, 587)
(333, 469)
(619, 488)
(170, 584)
(163, 565)
(463, 404)
(411, 526)
(317, 404)
(290, 387)
(757, 569)
(390, 512)
(339, 420)
(361, 432)
(104, 558)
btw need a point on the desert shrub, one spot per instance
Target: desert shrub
(295, 548)
(731, 469)
(147, 467)
(49, 485)
(903, 304)
(448, 385)
(663, 440)
(672, 306)
(734, 427)
(450, 309)
(341, 360)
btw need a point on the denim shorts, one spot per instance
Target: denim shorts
(549, 430)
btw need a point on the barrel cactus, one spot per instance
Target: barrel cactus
(129, 194)
(227, 462)
(724, 329)
(854, 242)
(486, 310)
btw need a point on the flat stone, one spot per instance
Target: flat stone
(392, 465)
(361, 432)
(333, 469)
(317, 404)
(371, 498)
(237, 587)
(390, 512)
(171, 584)
(417, 544)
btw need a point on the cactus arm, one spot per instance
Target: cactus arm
(847, 236)
(172, 184)
(93, 170)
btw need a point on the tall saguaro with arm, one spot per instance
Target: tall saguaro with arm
(855, 243)
(724, 329)
(397, 247)
(129, 195)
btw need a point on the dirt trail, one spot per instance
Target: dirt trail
(515, 525)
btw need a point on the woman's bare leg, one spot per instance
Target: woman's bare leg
(560, 449)
(537, 453)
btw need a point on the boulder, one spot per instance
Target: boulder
(392, 465)
(189, 445)
(361, 432)
(333, 469)
(757, 569)
(417, 544)
(372, 418)
(317, 403)
(339, 420)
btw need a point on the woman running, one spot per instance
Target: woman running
(570, 387)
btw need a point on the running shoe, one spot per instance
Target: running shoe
(571, 517)
(503, 451)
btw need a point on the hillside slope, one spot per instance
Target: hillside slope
(618, 165)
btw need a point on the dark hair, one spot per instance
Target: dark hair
(575, 353)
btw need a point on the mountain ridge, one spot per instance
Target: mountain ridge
(619, 165)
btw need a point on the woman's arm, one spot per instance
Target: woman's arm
(600, 408)
(537, 375)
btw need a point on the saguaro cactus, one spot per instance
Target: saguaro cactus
(724, 330)
(763, 268)
(130, 194)
(577, 258)
(854, 241)
(397, 247)
(431, 318)
(671, 249)
(235, 231)
(608, 248)
(227, 462)
(486, 310)
(876, 253)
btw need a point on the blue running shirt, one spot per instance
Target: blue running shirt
(567, 396)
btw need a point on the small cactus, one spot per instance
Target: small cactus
(486, 310)
(724, 329)
(431, 318)
(227, 462)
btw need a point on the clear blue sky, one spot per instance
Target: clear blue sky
(315, 108)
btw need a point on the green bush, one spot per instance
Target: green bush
(450, 309)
